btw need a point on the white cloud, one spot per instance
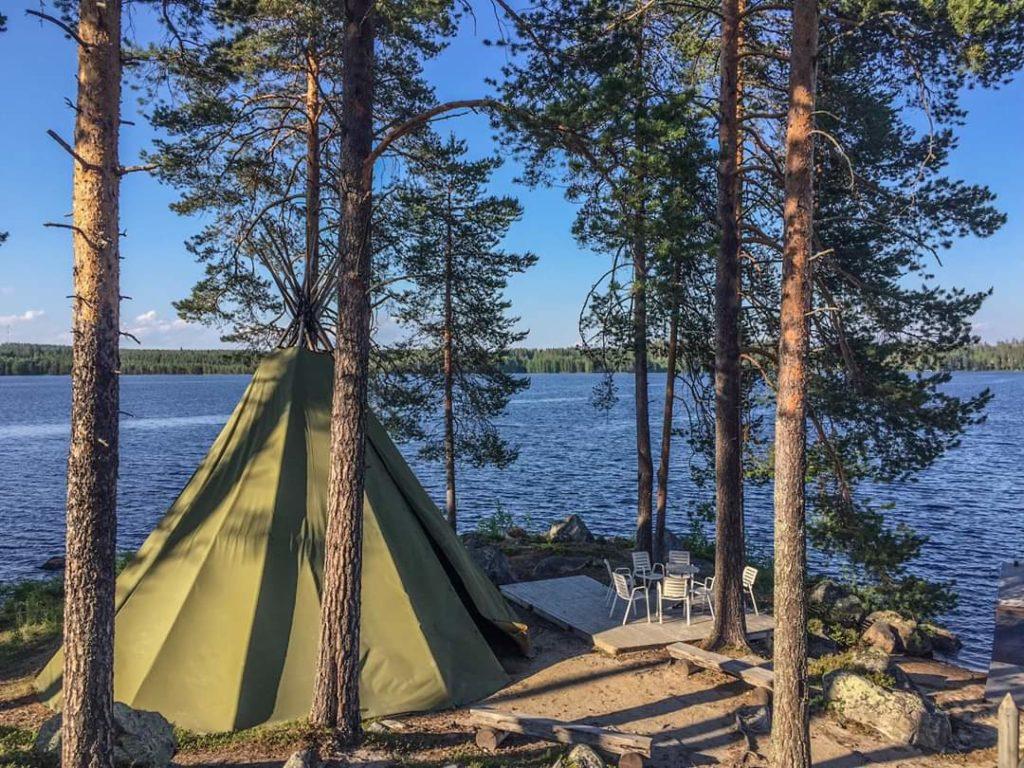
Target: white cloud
(152, 330)
(25, 317)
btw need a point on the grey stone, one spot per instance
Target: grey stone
(554, 566)
(55, 563)
(903, 717)
(304, 758)
(824, 594)
(581, 756)
(848, 611)
(141, 739)
(493, 562)
(820, 645)
(570, 530)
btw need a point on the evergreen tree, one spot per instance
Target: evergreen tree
(611, 74)
(455, 313)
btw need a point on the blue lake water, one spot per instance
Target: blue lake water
(573, 459)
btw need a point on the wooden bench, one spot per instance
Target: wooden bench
(748, 669)
(493, 726)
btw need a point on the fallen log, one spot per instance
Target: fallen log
(632, 747)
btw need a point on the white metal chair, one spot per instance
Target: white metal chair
(627, 591)
(678, 561)
(706, 590)
(673, 589)
(611, 581)
(643, 568)
(749, 576)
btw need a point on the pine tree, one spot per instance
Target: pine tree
(791, 740)
(611, 75)
(455, 314)
(88, 682)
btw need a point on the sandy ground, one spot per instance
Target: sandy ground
(693, 719)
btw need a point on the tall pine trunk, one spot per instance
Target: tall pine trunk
(336, 689)
(87, 738)
(729, 628)
(449, 374)
(790, 726)
(661, 510)
(308, 324)
(644, 460)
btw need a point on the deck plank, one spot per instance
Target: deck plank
(577, 603)
(1006, 672)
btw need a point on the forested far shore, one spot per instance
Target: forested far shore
(55, 360)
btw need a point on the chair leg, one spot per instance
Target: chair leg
(752, 600)
(711, 607)
(687, 611)
(612, 611)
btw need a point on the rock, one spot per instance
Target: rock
(304, 758)
(882, 636)
(904, 717)
(819, 645)
(755, 720)
(942, 640)
(848, 611)
(916, 643)
(558, 565)
(55, 563)
(473, 539)
(493, 562)
(912, 640)
(572, 529)
(516, 533)
(824, 595)
(581, 756)
(141, 739)
(870, 660)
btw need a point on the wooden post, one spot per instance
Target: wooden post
(1009, 733)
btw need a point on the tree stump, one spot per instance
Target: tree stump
(489, 739)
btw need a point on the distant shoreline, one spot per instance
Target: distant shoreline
(17, 359)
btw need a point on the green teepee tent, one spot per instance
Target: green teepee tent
(218, 615)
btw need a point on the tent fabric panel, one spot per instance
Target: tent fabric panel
(487, 600)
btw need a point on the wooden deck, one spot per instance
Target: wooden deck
(577, 603)
(1006, 673)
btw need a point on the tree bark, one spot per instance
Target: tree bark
(645, 463)
(87, 737)
(449, 374)
(790, 723)
(729, 628)
(661, 510)
(308, 323)
(336, 689)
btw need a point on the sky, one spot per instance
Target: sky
(38, 66)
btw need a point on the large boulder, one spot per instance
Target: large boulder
(913, 641)
(493, 562)
(570, 530)
(904, 717)
(555, 566)
(55, 563)
(141, 739)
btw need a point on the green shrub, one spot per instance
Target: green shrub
(497, 525)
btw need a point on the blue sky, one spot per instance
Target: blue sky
(38, 68)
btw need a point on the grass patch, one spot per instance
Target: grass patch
(289, 734)
(31, 616)
(16, 750)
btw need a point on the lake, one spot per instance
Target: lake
(573, 459)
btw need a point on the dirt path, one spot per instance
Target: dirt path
(693, 718)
